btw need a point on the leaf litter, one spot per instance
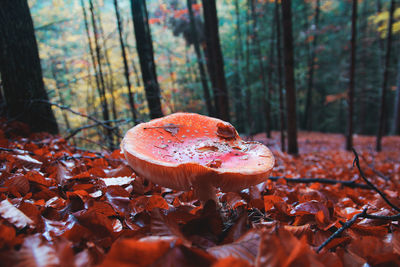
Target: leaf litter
(61, 206)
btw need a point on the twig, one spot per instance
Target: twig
(102, 123)
(381, 217)
(84, 127)
(66, 157)
(19, 151)
(380, 174)
(357, 162)
(351, 184)
(345, 226)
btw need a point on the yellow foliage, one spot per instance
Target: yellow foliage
(381, 20)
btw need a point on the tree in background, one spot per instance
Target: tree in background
(144, 46)
(350, 97)
(382, 111)
(20, 69)
(215, 60)
(289, 76)
(203, 75)
(279, 68)
(308, 118)
(125, 60)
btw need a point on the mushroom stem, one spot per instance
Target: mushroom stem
(205, 191)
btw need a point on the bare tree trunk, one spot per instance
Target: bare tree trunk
(396, 117)
(59, 94)
(106, 115)
(260, 66)
(215, 60)
(279, 66)
(382, 113)
(110, 75)
(203, 75)
(237, 87)
(363, 66)
(144, 46)
(248, 87)
(349, 137)
(131, 98)
(270, 82)
(289, 76)
(308, 120)
(20, 69)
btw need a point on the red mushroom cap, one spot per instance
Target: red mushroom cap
(185, 150)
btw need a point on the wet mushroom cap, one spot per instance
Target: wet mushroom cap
(183, 150)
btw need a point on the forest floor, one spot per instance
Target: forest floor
(61, 206)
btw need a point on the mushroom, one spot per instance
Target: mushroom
(186, 151)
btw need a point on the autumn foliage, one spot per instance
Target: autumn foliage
(63, 206)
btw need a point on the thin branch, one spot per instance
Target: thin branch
(67, 157)
(84, 127)
(357, 162)
(380, 174)
(18, 151)
(351, 184)
(381, 217)
(345, 226)
(102, 123)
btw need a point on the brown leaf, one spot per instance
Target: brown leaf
(244, 248)
(14, 215)
(131, 252)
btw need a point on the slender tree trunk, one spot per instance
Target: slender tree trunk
(59, 94)
(349, 137)
(131, 98)
(92, 56)
(270, 81)
(20, 69)
(248, 85)
(103, 98)
(308, 118)
(364, 67)
(259, 55)
(396, 117)
(237, 87)
(280, 83)
(203, 75)
(382, 112)
(144, 46)
(110, 75)
(289, 76)
(215, 60)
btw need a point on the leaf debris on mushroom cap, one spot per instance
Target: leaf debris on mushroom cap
(182, 149)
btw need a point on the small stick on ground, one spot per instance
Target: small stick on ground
(351, 184)
(345, 226)
(357, 162)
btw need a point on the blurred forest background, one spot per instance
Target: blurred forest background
(345, 64)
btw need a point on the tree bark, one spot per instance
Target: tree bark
(308, 120)
(289, 76)
(382, 113)
(280, 84)
(110, 76)
(248, 94)
(131, 98)
(396, 117)
(215, 60)
(144, 46)
(349, 137)
(203, 75)
(259, 56)
(103, 98)
(20, 69)
(237, 87)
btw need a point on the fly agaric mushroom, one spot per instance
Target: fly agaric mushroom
(186, 150)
